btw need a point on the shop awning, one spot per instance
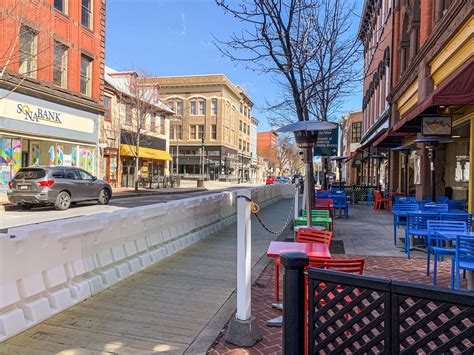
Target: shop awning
(147, 153)
(457, 90)
(389, 138)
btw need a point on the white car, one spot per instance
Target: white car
(282, 180)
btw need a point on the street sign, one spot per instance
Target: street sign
(327, 143)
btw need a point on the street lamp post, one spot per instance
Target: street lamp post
(379, 159)
(405, 150)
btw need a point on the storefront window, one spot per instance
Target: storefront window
(10, 158)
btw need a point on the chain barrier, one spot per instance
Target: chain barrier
(255, 208)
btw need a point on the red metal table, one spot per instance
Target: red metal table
(275, 249)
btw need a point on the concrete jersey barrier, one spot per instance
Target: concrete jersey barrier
(48, 267)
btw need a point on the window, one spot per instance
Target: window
(214, 106)
(202, 107)
(192, 134)
(241, 108)
(201, 131)
(245, 111)
(162, 124)
(128, 114)
(86, 14)
(193, 107)
(248, 130)
(173, 132)
(60, 65)
(248, 113)
(107, 113)
(240, 144)
(72, 174)
(86, 75)
(179, 107)
(240, 128)
(214, 131)
(153, 122)
(60, 5)
(356, 132)
(179, 132)
(85, 175)
(27, 52)
(171, 105)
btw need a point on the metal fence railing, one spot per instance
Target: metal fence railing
(358, 193)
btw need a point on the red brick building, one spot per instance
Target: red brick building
(52, 60)
(266, 147)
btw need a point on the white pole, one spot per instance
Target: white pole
(296, 209)
(304, 194)
(244, 248)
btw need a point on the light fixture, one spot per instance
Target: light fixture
(455, 136)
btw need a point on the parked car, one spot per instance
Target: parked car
(270, 180)
(58, 186)
(282, 180)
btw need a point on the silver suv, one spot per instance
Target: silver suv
(58, 186)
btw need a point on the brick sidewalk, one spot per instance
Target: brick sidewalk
(396, 268)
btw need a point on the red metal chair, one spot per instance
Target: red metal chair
(379, 200)
(304, 235)
(324, 204)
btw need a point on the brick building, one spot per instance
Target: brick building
(51, 89)
(375, 33)
(267, 148)
(433, 70)
(350, 137)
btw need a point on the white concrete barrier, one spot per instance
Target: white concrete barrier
(48, 267)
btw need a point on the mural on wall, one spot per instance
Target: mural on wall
(36, 154)
(59, 161)
(16, 163)
(87, 160)
(52, 155)
(74, 152)
(10, 159)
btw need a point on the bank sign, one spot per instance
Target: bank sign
(40, 114)
(327, 142)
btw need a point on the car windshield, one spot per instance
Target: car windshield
(30, 174)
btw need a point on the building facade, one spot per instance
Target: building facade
(52, 60)
(350, 137)
(375, 33)
(267, 148)
(123, 128)
(253, 150)
(433, 70)
(210, 131)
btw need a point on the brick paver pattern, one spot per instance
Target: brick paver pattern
(395, 268)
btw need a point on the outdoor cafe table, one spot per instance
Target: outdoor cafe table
(451, 236)
(317, 250)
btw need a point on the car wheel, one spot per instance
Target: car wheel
(25, 206)
(104, 197)
(63, 201)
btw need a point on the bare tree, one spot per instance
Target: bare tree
(140, 103)
(22, 48)
(287, 156)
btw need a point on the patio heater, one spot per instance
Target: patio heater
(379, 159)
(431, 143)
(405, 150)
(306, 133)
(339, 161)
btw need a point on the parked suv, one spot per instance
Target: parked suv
(58, 186)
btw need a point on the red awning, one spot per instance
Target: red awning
(456, 90)
(388, 134)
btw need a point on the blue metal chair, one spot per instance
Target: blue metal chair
(457, 216)
(340, 201)
(435, 207)
(442, 199)
(459, 205)
(436, 242)
(323, 194)
(398, 220)
(405, 199)
(417, 225)
(464, 256)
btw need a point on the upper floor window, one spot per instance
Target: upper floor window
(241, 108)
(60, 65)
(202, 107)
(193, 132)
(193, 108)
(171, 105)
(245, 111)
(162, 124)
(153, 122)
(61, 5)
(86, 13)
(179, 107)
(128, 114)
(214, 106)
(86, 75)
(356, 132)
(107, 106)
(27, 60)
(179, 132)
(201, 131)
(214, 131)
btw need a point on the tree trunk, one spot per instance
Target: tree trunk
(137, 161)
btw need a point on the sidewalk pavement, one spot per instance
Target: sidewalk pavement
(177, 305)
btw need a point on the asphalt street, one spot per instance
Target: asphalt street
(10, 219)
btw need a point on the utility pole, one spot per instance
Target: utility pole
(202, 158)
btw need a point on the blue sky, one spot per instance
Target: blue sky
(174, 37)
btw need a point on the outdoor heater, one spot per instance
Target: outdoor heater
(379, 159)
(406, 150)
(339, 161)
(431, 143)
(306, 134)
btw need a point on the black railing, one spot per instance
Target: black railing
(360, 314)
